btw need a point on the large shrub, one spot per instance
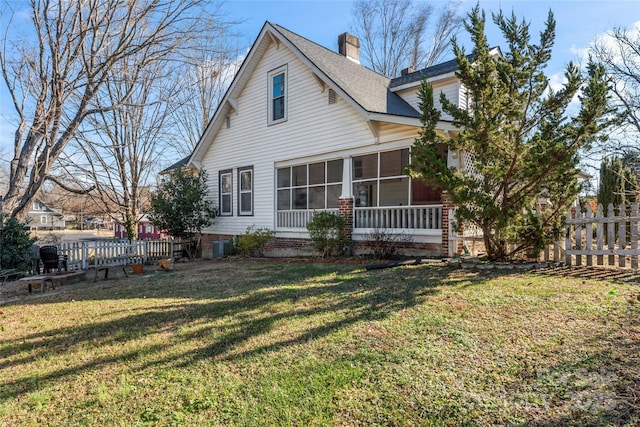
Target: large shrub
(15, 244)
(327, 232)
(181, 205)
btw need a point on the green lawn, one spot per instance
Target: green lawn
(313, 344)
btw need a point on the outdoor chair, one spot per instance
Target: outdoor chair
(51, 260)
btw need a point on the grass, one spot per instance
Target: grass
(277, 343)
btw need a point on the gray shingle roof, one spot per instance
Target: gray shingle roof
(425, 73)
(366, 87)
(177, 165)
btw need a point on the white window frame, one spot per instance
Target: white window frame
(271, 75)
(307, 186)
(222, 173)
(379, 179)
(43, 219)
(242, 211)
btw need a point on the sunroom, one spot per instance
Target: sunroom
(384, 196)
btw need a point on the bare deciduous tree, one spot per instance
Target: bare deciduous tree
(208, 70)
(619, 51)
(394, 34)
(121, 146)
(56, 62)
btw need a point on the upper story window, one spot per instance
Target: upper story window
(37, 206)
(278, 95)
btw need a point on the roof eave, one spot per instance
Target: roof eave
(409, 121)
(235, 87)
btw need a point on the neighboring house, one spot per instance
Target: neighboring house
(42, 217)
(177, 165)
(146, 230)
(304, 129)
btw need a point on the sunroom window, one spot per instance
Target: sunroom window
(309, 186)
(379, 179)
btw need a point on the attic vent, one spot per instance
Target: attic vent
(332, 96)
(228, 121)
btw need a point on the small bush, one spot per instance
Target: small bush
(327, 232)
(385, 245)
(253, 241)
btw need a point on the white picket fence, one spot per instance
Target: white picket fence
(93, 254)
(600, 239)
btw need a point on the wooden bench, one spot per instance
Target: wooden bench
(53, 279)
(117, 262)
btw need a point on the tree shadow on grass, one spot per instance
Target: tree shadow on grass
(222, 315)
(601, 388)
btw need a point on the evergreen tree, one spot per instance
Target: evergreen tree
(180, 205)
(618, 183)
(523, 141)
(15, 244)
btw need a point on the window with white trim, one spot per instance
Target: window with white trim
(245, 191)
(278, 95)
(310, 186)
(226, 193)
(379, 179)
(43, 219)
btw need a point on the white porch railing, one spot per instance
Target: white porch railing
(297, 218)
(406, 217)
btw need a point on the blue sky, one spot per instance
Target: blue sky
(578, 23)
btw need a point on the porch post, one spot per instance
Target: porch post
(447, 207)
(345, 203)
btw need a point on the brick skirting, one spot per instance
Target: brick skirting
(295, 247)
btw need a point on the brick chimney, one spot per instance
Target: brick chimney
(349, 46)
(407, 70)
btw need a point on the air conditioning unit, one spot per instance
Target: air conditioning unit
(221, 248)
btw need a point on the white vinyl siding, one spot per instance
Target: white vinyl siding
(450, 88)
(313, 128)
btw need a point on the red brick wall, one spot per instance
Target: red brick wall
(345, 208)
(206, 243)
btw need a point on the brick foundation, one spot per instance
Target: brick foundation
(206, 243)
(294, 247)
